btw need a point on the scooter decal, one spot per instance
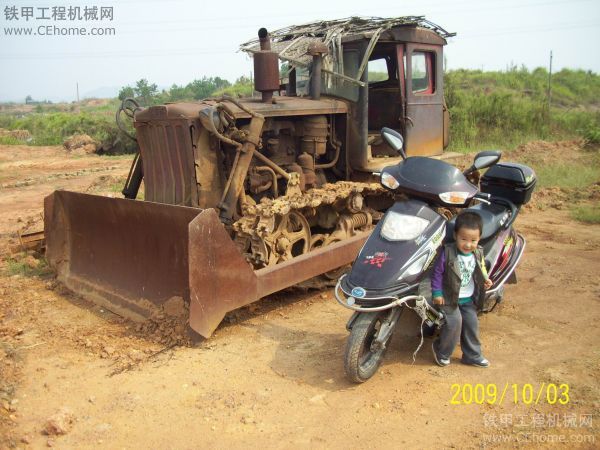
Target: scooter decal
(420, 240)
(377, 259)
(358, 292)
(434, 244)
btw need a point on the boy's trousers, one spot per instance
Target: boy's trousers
(461, 325)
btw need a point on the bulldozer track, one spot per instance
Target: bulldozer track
(276, 230)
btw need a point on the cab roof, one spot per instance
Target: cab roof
(291, 43)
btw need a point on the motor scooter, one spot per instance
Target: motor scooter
(391, 272)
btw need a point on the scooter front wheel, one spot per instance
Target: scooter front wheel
(363, 355)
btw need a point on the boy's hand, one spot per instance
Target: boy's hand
(438, 300)
(488, 284)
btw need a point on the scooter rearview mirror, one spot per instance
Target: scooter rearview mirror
(486, 158)
(394, 140)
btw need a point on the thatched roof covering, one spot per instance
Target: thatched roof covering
(292, 42)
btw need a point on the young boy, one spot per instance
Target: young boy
(458, 284)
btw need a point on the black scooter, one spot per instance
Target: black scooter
(391, 269)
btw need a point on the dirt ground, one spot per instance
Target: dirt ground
(73, 375)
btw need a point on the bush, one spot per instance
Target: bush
(587, 214)
(10, 140)
(506, 108)
(591, 134)
(54, 128)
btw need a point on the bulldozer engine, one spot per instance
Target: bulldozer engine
(241, 198)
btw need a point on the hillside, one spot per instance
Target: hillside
(500, 109)
(511, 107)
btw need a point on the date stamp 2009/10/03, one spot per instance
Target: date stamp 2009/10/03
(526, 394)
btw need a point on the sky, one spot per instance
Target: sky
(177, 41)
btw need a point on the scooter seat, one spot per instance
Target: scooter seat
(493, 217)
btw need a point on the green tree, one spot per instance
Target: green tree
(145, 91)
(126, 92)
(207, 86)
(178, 93)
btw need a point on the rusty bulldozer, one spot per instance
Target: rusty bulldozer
(244, 197)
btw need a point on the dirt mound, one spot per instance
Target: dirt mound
(547, 152)
(21, 135)
(106, 183)
(168, 326)
(81, 144)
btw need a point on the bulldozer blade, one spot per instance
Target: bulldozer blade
(125, 255)
(132, 257)
(221, 280)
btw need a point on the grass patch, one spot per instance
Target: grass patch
(116, 187)
(23, 267)
(10, 140)
(128, 156)
(587, 214)
(567, 175)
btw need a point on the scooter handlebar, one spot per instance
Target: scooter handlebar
(483, 196)
(513, 209)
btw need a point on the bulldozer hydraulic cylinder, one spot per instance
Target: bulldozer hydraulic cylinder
(134, 180)
(239, 172)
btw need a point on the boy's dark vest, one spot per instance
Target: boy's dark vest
(452, 278)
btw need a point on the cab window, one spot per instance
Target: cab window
(378, 70)
(423, 70)
(332, 85)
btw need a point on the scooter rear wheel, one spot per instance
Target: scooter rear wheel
(361, 361)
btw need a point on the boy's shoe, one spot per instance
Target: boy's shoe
(481, 363)
(442, 362)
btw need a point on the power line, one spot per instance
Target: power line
(469, 4)
(228, 50)
(541, 28)
(127, 54)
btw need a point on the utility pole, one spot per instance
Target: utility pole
(78, 92)
(549, 94)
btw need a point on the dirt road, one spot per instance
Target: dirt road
(272, 375)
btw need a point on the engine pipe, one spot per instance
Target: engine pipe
(317, 50)
(266, 68)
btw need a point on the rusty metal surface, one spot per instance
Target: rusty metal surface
(285, 106)
(221, 280)
(266, 68)
(424, 132)
(168, 162)
(274, 278)
(239, 172)
(126, 255)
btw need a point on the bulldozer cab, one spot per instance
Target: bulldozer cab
(391, 75)
(406, 93)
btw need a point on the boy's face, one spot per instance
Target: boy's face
(467, 239)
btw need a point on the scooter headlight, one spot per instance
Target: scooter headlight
(400, 227)
(454, 198)
(389, 181)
